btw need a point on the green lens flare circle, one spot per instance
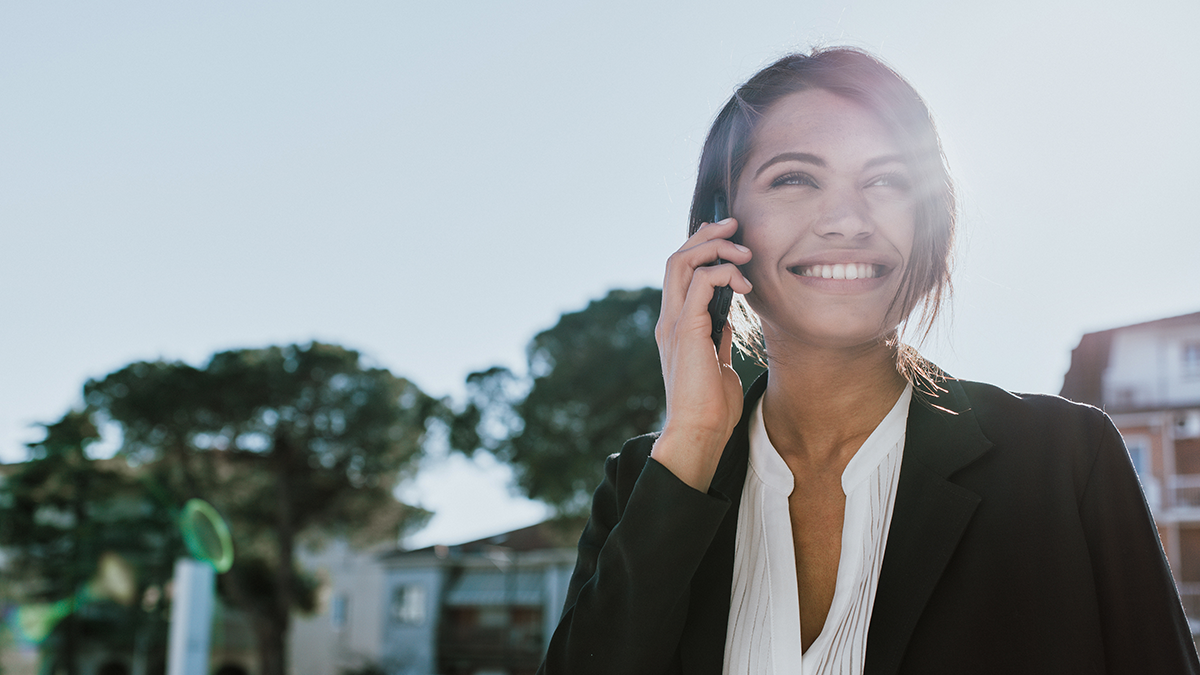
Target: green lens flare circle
(206, 534)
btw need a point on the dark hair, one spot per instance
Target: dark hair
(867, 81)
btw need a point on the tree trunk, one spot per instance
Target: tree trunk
(270, 640)
(271, 631)
(82, 557)
(272, 644)
(69, 658)
(286, 540)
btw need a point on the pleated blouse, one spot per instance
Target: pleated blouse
(763, 636)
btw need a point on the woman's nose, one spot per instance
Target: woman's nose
(846, 216)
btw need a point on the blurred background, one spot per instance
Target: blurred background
(372, 201)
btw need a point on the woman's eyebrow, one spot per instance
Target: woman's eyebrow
(884, 159)
(817, 161)
(790, 156)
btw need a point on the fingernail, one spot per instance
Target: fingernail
(726, 220)
(741, 248)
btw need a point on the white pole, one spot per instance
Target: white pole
(191, 618)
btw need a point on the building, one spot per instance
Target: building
(345, 633)
(486, 607)
(1147, 378)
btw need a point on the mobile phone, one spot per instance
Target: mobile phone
(718, 306)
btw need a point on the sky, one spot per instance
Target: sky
(434, 183)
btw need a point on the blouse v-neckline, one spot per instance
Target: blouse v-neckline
(763, 634)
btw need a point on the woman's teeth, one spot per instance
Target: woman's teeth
(841, 271)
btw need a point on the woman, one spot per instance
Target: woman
(857, 511)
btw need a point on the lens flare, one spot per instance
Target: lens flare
(33, 623)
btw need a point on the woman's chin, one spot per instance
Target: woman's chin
(846, 337)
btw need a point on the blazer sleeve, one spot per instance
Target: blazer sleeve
(628, 596)
(1144, 626)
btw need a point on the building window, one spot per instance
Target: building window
(1187, 425)
(1191, 358)
(408, 605)
(338, 610)
(1139, 454)
(493, 617)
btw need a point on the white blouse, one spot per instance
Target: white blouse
(764, 614)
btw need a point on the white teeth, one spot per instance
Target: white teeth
(841, 271)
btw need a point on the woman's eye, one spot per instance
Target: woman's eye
(794, 179)
(892, 180)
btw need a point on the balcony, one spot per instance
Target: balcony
(507, 639)
(1180, 501)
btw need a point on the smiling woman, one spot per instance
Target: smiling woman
(857, 510)
(826, 190)
(899, 122)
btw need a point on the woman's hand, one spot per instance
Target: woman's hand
(704, 394)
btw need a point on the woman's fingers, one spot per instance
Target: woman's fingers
(686, 311)
(703, 393)
(704, 282)
(710, 242)
(701, 249)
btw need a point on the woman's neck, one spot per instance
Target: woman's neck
(821, 404)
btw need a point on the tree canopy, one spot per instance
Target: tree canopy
(82, 537)
(286, 442)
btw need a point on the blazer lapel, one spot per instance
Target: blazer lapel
(928, 520)
(702, 646)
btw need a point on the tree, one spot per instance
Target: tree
(595, 380)
(287, 443)
(82, 538)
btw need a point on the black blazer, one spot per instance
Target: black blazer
(1020, 542)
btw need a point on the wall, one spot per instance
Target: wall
(346, 631)
(410, 640)
(1146, 368)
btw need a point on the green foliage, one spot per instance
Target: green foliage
(61, 511)
(257, 576)
(312, 420)
(596, 380)
(83, 541)
(286, 442)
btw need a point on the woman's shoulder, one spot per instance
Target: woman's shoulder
(1000, 410)
(1035, 431)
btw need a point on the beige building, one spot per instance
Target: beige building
(346, 631)
(1147, 378)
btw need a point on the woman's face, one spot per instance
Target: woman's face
(826, 204)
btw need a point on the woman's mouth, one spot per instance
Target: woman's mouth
(840, 271)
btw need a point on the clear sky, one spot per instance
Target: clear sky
(433, 183)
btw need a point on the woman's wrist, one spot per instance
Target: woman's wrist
(691, 455)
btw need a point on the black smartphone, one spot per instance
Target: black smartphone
(718, 306)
